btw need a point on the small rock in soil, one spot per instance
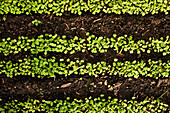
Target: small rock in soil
(34, 86)
(65, 85)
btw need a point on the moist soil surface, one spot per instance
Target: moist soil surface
(99, 25)
(80, 87)
(76, 86)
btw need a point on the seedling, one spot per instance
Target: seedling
(39, 90)
(4, 19)
(36, 22)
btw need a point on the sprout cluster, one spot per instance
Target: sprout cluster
(88, 105)
(41, 67)
(50, 67)
(78, 6)
(93, 44)
(36, 22)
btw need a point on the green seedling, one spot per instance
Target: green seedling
(36, 22)
(4, 18)
(39, 90)
(76, 7)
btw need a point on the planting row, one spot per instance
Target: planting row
(88, 105)
(42, 67)
(94, 44)
(77, 6)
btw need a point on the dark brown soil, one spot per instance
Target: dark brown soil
(23, 87)
(100, 25)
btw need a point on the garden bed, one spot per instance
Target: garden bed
(153, 29)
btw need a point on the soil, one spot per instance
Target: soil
(22, 87)
(75, 86)
(100, 25)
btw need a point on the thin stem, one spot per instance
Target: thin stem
(164, 93)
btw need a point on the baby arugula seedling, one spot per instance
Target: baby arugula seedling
(98, 44)
(4, 18)
(76, 7)
(49, 67)
(36, 22)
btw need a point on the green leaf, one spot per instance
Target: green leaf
(72, 52)
(164, 53)
(87, 34)
(52, 44)
(148, 51)
(114, 35)
(45, 53)
(61, 60)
